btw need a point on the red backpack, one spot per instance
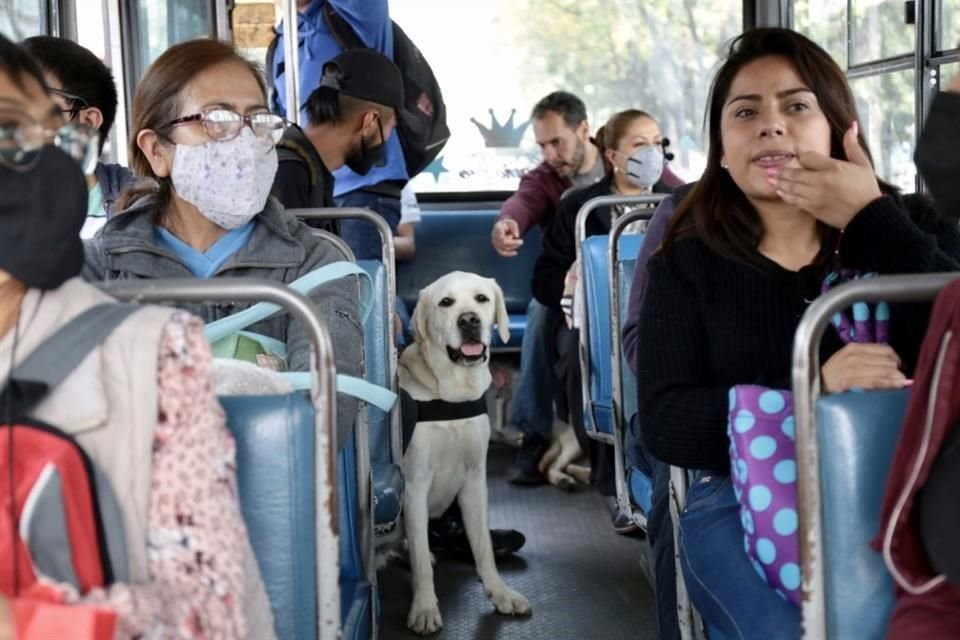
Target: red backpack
(58, 516)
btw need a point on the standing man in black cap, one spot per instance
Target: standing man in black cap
(350, 117)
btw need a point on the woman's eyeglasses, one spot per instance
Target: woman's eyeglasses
(224, 124)
(22, 139)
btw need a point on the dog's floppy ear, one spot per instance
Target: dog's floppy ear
(503, 318)
(419, 318)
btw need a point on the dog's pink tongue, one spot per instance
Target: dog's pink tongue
(471, 349)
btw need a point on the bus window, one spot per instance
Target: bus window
(824, 22)
(886, 106)
(20, 19)
(160, 25)
(650, 55)
(948, 25)
(879, 31)
(948, 72)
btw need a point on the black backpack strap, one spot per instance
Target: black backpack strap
(340, 29)
(50, 363)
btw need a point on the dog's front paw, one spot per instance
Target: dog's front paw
(424, 617)
(510, 602)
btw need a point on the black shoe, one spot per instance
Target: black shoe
(447, 534)
(524, 468)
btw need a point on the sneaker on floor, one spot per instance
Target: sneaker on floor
(623, 522)
(448, 535)
(524, 468)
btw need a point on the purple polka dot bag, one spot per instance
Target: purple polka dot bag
(763, 466)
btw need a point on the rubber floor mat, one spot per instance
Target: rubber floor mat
(583, 580)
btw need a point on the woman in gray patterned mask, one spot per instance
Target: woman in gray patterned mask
(631, 146)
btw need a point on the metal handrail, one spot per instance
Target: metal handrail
(291, 57)
(388, 257)
(322, 394)
(806, 391)
(580, 235)
(613, 257)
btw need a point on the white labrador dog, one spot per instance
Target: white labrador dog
(447, 458)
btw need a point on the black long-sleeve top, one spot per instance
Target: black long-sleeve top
(709, 323)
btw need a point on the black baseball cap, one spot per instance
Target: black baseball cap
(367, 75)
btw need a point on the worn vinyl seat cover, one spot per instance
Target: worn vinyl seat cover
(276, 478)
(857, 434)
(598, 413)
(387, 478)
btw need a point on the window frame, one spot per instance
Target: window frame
(926, 59)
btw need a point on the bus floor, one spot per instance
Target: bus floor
(582, 579)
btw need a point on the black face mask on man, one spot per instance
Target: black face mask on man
(368, 155)
(42, 211)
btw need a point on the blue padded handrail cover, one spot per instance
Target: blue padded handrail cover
(857, 434)
(276, 478)
(596, 290)
(376, 357)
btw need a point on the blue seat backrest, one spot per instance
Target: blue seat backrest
(459, 240)
(628, 381)
(857, 434)
(356, 596)
(376, 357)
(275, 438)
(596, 290)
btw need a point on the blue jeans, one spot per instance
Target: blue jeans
(659, 532)
(405, 337)
(721, 580)
(362, 236)
(532, 404)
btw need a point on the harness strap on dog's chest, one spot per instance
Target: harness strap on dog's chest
(414, 411)
(433, 410)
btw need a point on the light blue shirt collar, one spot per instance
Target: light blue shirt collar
(206, 264)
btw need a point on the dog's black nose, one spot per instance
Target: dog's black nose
(468, 321)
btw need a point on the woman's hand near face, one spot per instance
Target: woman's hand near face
(833, 191)
(867, 366)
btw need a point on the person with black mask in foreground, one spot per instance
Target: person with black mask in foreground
(139, 407)
(351, 115)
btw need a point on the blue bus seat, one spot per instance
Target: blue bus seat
(376, 358)
(857, 434)
(598, 408)
(459, 240)
(275, 439)
(641, 489)
(628, 381)
(639, 484)
(356, 592)
(387, 479)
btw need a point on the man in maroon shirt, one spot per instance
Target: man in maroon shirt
(570, 159)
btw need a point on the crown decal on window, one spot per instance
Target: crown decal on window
(501, 136)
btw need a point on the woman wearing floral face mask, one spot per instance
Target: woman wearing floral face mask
(631, 146)
(203, 140)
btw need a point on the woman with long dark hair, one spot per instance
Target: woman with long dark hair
(789, 194)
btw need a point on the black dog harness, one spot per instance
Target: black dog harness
(414, 411)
